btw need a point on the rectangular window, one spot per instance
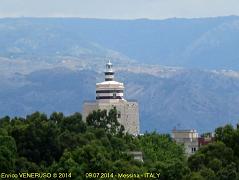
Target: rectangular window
(193, 149)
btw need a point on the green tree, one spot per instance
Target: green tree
(37, 139)
(162, 154)
(100, 119)
(73, 123)
(218, 160)
(7, 153)
(229, 172)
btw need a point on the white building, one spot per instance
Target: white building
(110, 94)
(189, 138)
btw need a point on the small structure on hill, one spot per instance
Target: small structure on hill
(189, 138)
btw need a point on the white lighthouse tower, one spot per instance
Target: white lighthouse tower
(109, 91)
(110, 94)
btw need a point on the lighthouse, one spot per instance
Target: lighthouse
(109, 91)
(110, 94)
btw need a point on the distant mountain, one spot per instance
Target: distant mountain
(170, 98)
(60, 90)
(52, 64)
(208, 43)
(191, 99)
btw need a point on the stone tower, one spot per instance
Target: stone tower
(110, 94)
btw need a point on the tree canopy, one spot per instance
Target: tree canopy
(60, 143)
(218, 160)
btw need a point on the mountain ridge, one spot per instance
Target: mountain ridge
(53, 64)
(163, 42)
(198, 99)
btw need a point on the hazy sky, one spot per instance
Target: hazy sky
(120, 9)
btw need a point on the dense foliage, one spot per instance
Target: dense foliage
(67, 144)
(61, 143)
(218, 160)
